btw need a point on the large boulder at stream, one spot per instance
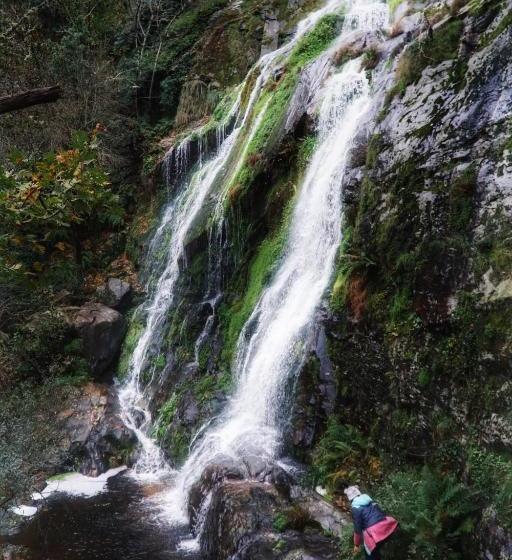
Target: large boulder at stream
(249, 520)
(102, 330)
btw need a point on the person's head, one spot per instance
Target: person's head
(352, 492)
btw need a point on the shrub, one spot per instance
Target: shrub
(48, 206)
(342, 455)
(491, 474)
(30, 436)
(434, 510)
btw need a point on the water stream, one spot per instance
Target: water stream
(271, 346)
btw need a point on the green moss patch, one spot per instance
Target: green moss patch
(425, 52)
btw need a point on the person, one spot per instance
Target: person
(372, 527)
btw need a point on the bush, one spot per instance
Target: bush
(43, 348)
(436, 513)
(342, 456)
(491, 474)
(49, 206)
(30, 436)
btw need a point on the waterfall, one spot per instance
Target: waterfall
(272, 344)
(178, 220)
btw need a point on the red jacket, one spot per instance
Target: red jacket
(376, 533)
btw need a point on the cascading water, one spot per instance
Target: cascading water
(178, 219)
(271, 346)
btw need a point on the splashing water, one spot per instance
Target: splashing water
(366, 16)
(272, 344)
(176, 224)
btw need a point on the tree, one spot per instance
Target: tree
(29, 98)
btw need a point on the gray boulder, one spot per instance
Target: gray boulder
(102, 330)
(115, 293)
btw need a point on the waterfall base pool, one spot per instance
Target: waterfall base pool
(119, 524)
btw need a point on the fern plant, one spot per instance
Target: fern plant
(340, 453)
(435, 512)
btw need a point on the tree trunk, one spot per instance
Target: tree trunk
(29, 98)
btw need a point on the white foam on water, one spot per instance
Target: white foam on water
(24, 511)
(77, 484)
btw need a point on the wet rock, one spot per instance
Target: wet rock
(271, 28)
(102, 330)
(291, 545)
(214, 474)
(237, 509)
(94, 434)
(315, 394)
(240, 525)
(115, 293)
(190, 411)
(330, 518)
(494, 542)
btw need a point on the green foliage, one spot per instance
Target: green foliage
(342, 455)
(347, 543)
(371, 58)
(43, 348)
(461, 199)
(168, 33)
(436, 513)
(30, 436)
(316, 41)
(424, 377)
(491, 474)
(343, 270)
(503, 25)
(427, 52)
(306, 150)
(207, 386)
(261, 269)
(400, 309)
(280, 522)
(165, 417)
(49, 206)
(275, 102)
(225, 105)
(130, 342)
(294, 518)
(393, 5)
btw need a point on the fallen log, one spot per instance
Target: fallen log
(29, 98)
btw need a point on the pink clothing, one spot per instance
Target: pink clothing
(378, 533)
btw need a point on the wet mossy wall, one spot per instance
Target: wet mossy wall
(419, 334)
